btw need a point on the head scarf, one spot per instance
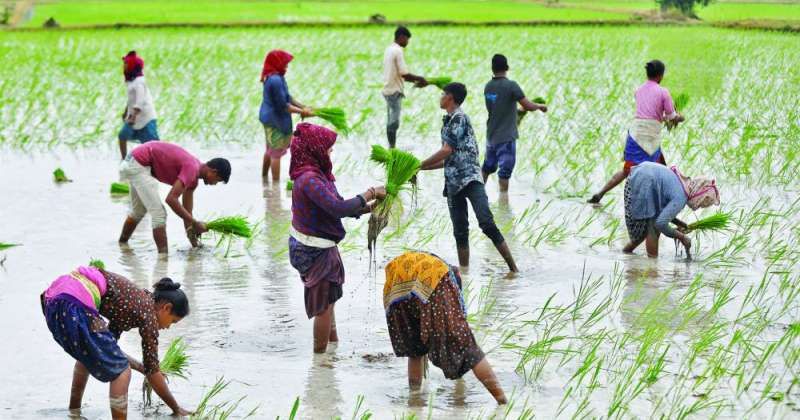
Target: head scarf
(309, 148)
(276, 62)
(700, 191)
(134, 66)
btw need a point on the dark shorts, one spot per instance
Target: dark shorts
(503, 155)
(438, 329)
(322, 273)
(143, 135)
(85, 336)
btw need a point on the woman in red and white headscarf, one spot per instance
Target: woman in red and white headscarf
(316, 229)
(139, 119)
(277, 105)
(654, 195)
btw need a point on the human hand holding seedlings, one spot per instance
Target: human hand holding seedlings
(159, 384)
(307, 112)
(687, 244)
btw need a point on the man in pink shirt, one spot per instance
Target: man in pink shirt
(654, 107)
(158, 161)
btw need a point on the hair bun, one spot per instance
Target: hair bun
(166, 284)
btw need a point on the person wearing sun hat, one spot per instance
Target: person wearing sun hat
(139, 118)
(654, 195)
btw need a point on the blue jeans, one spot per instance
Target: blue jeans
(475, 192)
(503, 155)
(143, 135)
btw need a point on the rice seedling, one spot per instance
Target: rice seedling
(335, 116)
(59, 176)
(681, 101)
(289, 185)
(96, 263)
(172, 365)
(715, 222)
(206, 410)
(231, 225)
(4, 246)
(400, 168)
(439, 82)
(120, 188)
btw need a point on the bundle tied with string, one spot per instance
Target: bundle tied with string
(400, 169)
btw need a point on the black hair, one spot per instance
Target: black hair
(499, 63)
(457, 90)
(168, 291)
(654, 69)
(222, 166)
(402, 31)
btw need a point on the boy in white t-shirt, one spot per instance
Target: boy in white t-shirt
(140, 115)
(395, 73)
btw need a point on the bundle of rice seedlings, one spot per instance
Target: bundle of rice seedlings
(231, 225)
(717, 221)
(4, 246)
(681, 101)
(289, 185)
(99, 264)
(173, 365)
(400, 168)
(439, 82)
(335, 116)
(60, 176)
(219, 411)
(522, 112)
(119, 188)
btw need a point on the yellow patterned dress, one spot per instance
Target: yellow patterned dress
(426, 315)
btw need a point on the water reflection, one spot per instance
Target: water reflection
(322, 388)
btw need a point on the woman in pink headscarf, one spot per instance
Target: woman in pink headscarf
(276, 109)
(654, 195)
(317, 212)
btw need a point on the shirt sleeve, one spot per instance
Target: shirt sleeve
(189, 174)
(149, 333)
(666, 216)
(517, 93)
(277, 93)
(669, 106)
(329, 201)
(455, 131)
(400, 62)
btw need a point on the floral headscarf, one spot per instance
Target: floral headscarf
(700, 191)
(133, 66)
(309, 148)
(276, 62)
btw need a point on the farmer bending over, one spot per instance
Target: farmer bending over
(139, 119)
(426, 316)
(502, 96)
(395, 73)
(155, 162)
(87, 311)
(654, 195)
(654, 106)
(462, 174)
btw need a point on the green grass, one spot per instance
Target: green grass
(231, 225)
(71, 13)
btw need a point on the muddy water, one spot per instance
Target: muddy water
(247, 321)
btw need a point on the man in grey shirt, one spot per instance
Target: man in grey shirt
(502, 96)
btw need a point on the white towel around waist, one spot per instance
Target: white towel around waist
(308, 240)
(647, 134)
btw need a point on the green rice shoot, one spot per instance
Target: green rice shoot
(4, 246)
(681, 101)
(335, 116)
(289, 185)
(173, 365)
(97, 263)
(715, 222)
(207, 410)
(119, 188)
(439, 82)
(400, 166)
(539, 100)
(231, 225)
(60, 176)
(521, 112)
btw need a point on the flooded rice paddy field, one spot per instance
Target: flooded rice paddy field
(582, 331)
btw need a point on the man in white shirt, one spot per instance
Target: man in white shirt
(140, 115)
(395, 73)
